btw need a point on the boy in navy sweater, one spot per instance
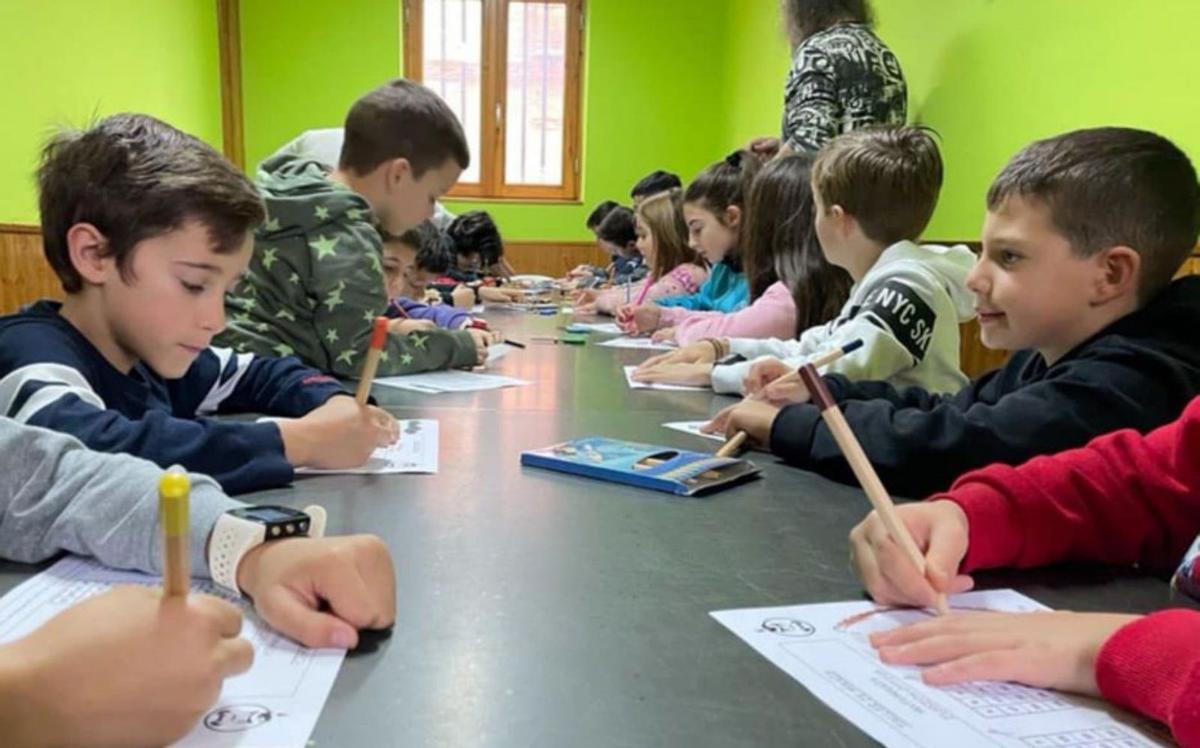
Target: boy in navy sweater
(146, 227)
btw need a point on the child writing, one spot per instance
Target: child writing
(714, 207)
(1124, 499)
(792, 286)
(873, 193)
(128, 666)
(315, 280)
(1082, 237)
(411, 262)
(146, 227)
(662, 242)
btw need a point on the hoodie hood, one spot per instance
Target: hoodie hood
(1165, 327)
(300, 196)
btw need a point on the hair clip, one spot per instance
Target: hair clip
(735, 159)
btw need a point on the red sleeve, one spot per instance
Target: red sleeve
(1152, 666)
(1122, 499)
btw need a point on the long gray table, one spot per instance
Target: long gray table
(539, 609)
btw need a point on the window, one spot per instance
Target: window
(510, 70)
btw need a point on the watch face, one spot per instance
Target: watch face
(270, 514)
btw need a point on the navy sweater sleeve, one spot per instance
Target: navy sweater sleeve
(921, 449)
(221, 381)
(54, 380)
(240, 456)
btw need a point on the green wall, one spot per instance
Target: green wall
(992, 76)
(66, 61)
(304, 62)
(653, 93)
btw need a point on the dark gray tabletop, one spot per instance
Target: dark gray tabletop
(537, 608)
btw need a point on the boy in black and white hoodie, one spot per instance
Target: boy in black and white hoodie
(875, 192)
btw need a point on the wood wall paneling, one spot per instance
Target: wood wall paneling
(25, 275)
(554, 259)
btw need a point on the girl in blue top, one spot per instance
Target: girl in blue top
(714, 207)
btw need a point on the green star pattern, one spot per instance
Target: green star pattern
(322, 213)
(331, 336)
(324, 246)
(283, 349)
(268, 258)
(334, 299)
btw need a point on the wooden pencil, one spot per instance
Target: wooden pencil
(173, 515)
(731, 447)
(379, 335)
(863, 471)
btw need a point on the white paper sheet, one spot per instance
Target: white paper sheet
(825, 647)
(608, 328)
(693, 428)
(436, 382)
(415, 452)
(275, 704)
(497, 352)
(656, 386)
(644, 344)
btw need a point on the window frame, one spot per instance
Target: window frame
(493, 112)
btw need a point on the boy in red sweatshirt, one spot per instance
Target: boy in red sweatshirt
(1122, 499)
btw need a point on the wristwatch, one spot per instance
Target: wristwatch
(240, 530)
(730, 360)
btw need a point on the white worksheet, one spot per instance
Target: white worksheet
(416, 451)
(608, 328)
(275, 704)
(693, 428)
(436, 382)
(825, 647)
(497, 352)
(656, 386)
(645, 344)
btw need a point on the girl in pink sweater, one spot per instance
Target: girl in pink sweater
(662, 241)
(792, 286)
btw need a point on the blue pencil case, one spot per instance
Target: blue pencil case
(666, 469)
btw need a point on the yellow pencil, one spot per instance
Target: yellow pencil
(173, 515)
(864, 472)
(378, 338)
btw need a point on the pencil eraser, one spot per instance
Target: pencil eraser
(379, 333)
(816, 387)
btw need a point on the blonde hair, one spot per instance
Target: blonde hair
(663, 215)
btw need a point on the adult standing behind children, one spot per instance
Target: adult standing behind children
(316, 281)
(843, 76)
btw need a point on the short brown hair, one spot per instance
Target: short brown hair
(888, 178)
(134, 177)
(1112, 186)
(402, 119)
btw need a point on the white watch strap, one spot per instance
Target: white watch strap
(233, 537)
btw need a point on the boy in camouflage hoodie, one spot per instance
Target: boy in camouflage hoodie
(316, 282)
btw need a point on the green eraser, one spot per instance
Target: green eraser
(573, 339)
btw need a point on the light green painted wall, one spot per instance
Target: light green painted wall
(304, 62)
(65, 61)
(652, 91)
(992, 76)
